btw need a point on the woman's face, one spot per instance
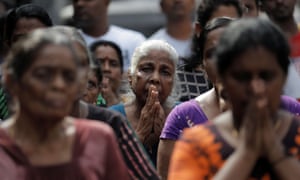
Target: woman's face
(92, 89)
(110, 65)
(225, 10)
(210, 46)
(24, 26)
(50, 85)
(254, 74)
(154, 69)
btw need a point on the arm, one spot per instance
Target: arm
(165, 150)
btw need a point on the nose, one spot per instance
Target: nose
(258, 87)
(59, 82)
(105, 67)
(155, 78)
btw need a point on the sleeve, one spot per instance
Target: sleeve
(184, 162)
(290, 104)
(175, 123)
(196, 155)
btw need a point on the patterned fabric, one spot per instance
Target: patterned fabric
(138, 163)
(191, 84)
(152, 152)
(3, 105)
(189, 113)
(202, 151)
(101, 101)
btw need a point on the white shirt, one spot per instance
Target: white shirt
(127, 39)
(183, 47)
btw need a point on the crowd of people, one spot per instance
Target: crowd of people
(218, 98)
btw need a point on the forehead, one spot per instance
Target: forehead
(213, 36)
(57, 55)
(255, 59)
(28, 24)
(103, 50)
(155, 55)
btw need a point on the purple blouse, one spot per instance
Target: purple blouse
(189, 113)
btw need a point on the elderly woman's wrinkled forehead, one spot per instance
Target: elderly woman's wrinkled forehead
(147, 47)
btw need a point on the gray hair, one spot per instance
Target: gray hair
(144, 49)
(149, 45)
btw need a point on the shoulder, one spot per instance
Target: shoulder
(160, 34)
(89, 128)
(290, 104)
(126, 32)
(119, 108)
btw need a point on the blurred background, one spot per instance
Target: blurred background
(141, 15)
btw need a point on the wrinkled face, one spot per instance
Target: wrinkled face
(154, 69)
(250, 8)
(178, 8)
(49, 87)
(254, 74)
(92, 89)
(228, 11)
(87, 12)
(110, 66)
(279, 9)
(24, 26)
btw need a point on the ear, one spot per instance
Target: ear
(198, 29)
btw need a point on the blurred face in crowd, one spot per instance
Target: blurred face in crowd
(255, 73)
(250, 8)
(224, 10)
(177, 9)
(49, 87)
(88, 12)
(208, 52)
(83, 66)
(279, 10)
(92, 89)
(154, 69)
(24, 26)
(111, 68)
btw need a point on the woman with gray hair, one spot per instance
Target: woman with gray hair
(40, 140)
(152, 80)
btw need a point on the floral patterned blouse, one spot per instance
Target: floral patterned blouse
(202, 151)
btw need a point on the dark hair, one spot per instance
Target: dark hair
(8, 4)
(245, 34)
(26, 11)
(210, 26)
(96, 44)
(204, 12)
(24, 52)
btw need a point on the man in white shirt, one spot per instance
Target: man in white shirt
(91, 17)
(179, 26)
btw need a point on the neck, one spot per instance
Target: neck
(181, 30)
(97, 29)
(36, 130)
(80, 109)
(289, 27)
